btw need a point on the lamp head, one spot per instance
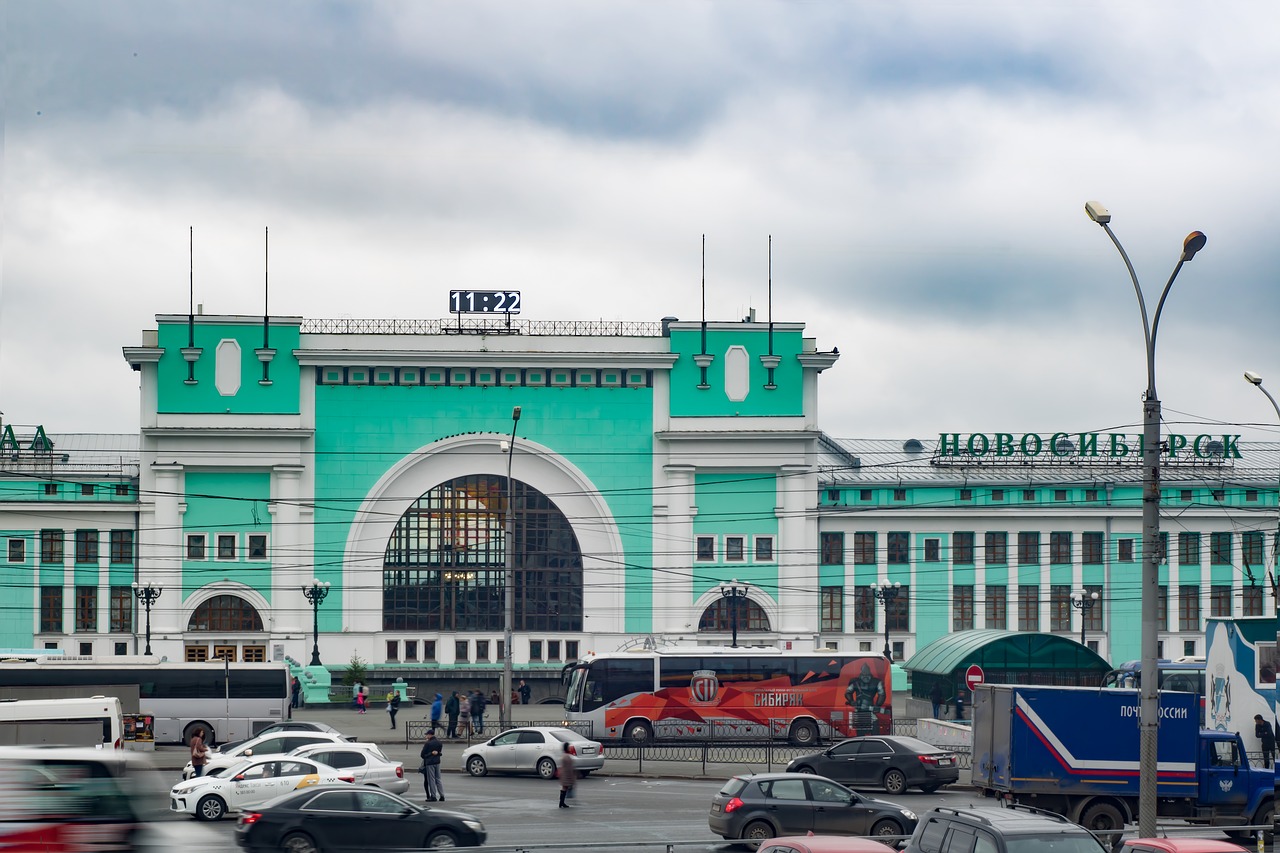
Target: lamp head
(1097, 212)
(1252, 378)
(515, 413)
(1195, 242)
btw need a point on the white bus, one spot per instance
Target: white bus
(229, 701)
(97, 722)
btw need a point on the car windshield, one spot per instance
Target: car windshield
(234, 769)
(733, 787)
(1075, 842)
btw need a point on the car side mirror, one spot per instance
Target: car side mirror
(238, 778)
(248, 753)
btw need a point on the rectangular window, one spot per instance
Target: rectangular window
(1188, 549)
(734, 549)
(1028, 608)
(1090, 494)
(225, 653)
(706, 549)
(962, 608)
(898, 613)
(1059, 494)
(898, 549)
(86, 649)
(51, 542)
(51, 489)
(1251, 495)
(1162, 608)
(832, 549)
(1188, 608)
(1059, 607)
(996, 547)
(50, 609)
(1251, 605)
(535, 650)
(254, 654)
(1251, 549)
(393, 650)
(122, 490)
(1091, 548)
(1092, 615)
(482, 651)
(1124, 550)
(962, 549)
(257, 546)
(864, 494)
(1220, 549)
(831, 610)
(428, 650)
(1029, 548)
(997, 494)
(932, 550)
(195, 546)
(966, 494)
(17, 550)
(122, 547)
(764, 549)
(502, 650)
(1163, 549)
(1060, 547)
(462, 651)
(1220, 600)
(120, 612)
(570, 649)
(998, 607)
(86, 546)
(553, 650)
(864, 609)
(226, 546)
(1219, 494)
(86, 489)
(196, 654)
(899, 494)
(1028, 494)
(864, 549)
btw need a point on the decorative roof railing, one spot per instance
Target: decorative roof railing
(482, 325)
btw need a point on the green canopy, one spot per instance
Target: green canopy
(1006, 657)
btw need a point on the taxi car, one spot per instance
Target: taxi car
(248, 784)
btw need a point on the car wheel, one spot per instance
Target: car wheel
(1102, 817)
(886, 827)
(582, 774)
(894, 781)
(299, 842)
(210, 807)
(476, 766)
(803, 733)
(929, 789)
(805, 768)
(639, 732)
(756, 832)
(442, 838)
(546, 768)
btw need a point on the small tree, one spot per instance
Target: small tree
(357, 671)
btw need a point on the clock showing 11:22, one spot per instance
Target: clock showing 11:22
(484, 301)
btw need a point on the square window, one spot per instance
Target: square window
(1251, 495)
(706, 549)
(1185, 495)
(966, 494)
(195, 546)
(1219, 494)
(864, 494)
(734, 549)
(1028, 494)
(535, 650)
(196, 654)
(226, 546)
(1091, 494)
(50, 489)
(254, 654)
(122, 490)
(86, 649)
(122, 648)
(257, 546)
(764, 549)
(17, 550)
(1059, 494)
(393, 650)
(87, 489)
(899, 494)
(462, 651)
(997, 494)
(833, 495)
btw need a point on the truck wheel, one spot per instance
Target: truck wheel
(1102, 817)
(894, 781)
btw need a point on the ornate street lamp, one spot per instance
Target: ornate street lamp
(886, 593)
(315, 593)
(1255, 380)
(147, 594)
(1084, 602)
(1149, 699)
(732, 592)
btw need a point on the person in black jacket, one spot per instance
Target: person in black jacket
(432, 749)
(1267, 735)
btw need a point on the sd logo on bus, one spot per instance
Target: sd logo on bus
(704, 686)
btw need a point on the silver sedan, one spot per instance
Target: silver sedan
(533, 750)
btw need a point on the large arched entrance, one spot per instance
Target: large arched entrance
(445, 563)
(718, 617)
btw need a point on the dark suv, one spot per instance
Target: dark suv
(1014, 829)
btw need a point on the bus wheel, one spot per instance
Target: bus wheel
(190, 731)
(639, 732)
(803, 733)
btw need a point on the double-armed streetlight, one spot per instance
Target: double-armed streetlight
(509, 577)
(315, 593)
(1150, 698)
(1255, 380)
(148, 595)
(887, 593)
(1084, 602)
(733, 592)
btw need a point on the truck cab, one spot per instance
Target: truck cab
(1226, 781)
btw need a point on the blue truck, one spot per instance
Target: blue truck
(1075, 751)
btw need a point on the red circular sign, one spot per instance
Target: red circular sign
(973, 676)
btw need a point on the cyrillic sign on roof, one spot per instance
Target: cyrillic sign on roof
(1110, 447)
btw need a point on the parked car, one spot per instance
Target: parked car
(1013, 829)
(1185, 844)
(278, 743)
(883, 761)
(342, 819)
(366, 762)
(823, 844)
(532, 750)
(249, 783)
(286, 726)
(763, 806)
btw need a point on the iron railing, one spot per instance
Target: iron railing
(489, 325)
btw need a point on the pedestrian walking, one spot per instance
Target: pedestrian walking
(436, 707)
(360, 702)
(295, 692)
(568, 776)
(199, 752)
(356, 689)
(451, 711)
(464, 716)
(432, 749)
(477, 712)
(393, 705)
(937, 697)
(525, 692)
(1263, 729)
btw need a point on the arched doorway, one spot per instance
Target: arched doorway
(445, 563)
(226, 615)
(718, 618)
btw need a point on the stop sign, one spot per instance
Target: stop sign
(973, 676)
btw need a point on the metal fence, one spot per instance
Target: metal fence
(499, 324)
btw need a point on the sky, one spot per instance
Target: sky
(920, 167)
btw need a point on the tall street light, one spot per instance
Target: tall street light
(1149, 715)
(147, 594)
(1084, 602)
(1256, 381)
(886, 593)
(509, 578)
(733, 593)
(315, 593)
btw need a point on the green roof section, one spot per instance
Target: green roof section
(997, 650)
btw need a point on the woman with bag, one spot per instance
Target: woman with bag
(199, 752)
(464, 718)
(568, 776)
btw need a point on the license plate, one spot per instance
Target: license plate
(715, 807)
(944, 762)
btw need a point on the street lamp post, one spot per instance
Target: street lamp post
(1148, 766)
(147, 594)
(315, 593)
(733, 593)
(886, 593)
(509, 579)
(1084, 602)
(1255, 380)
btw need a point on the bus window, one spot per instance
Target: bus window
(611, 679)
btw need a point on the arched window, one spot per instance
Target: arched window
(445, 565)
(225, 613)
(718, 618)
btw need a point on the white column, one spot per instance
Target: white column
(161, 552)
(797, 572)
(673, 548)
(290, 571)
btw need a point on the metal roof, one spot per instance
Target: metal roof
(74, 455)
(1003, 650)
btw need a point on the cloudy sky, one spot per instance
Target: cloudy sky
(921, 167)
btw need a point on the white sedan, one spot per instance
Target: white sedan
(535, 749)
(249, 783)
(275, 743)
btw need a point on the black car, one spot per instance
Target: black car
(1015, 829)
(347, 818)
(883, 761)
(756, 808)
